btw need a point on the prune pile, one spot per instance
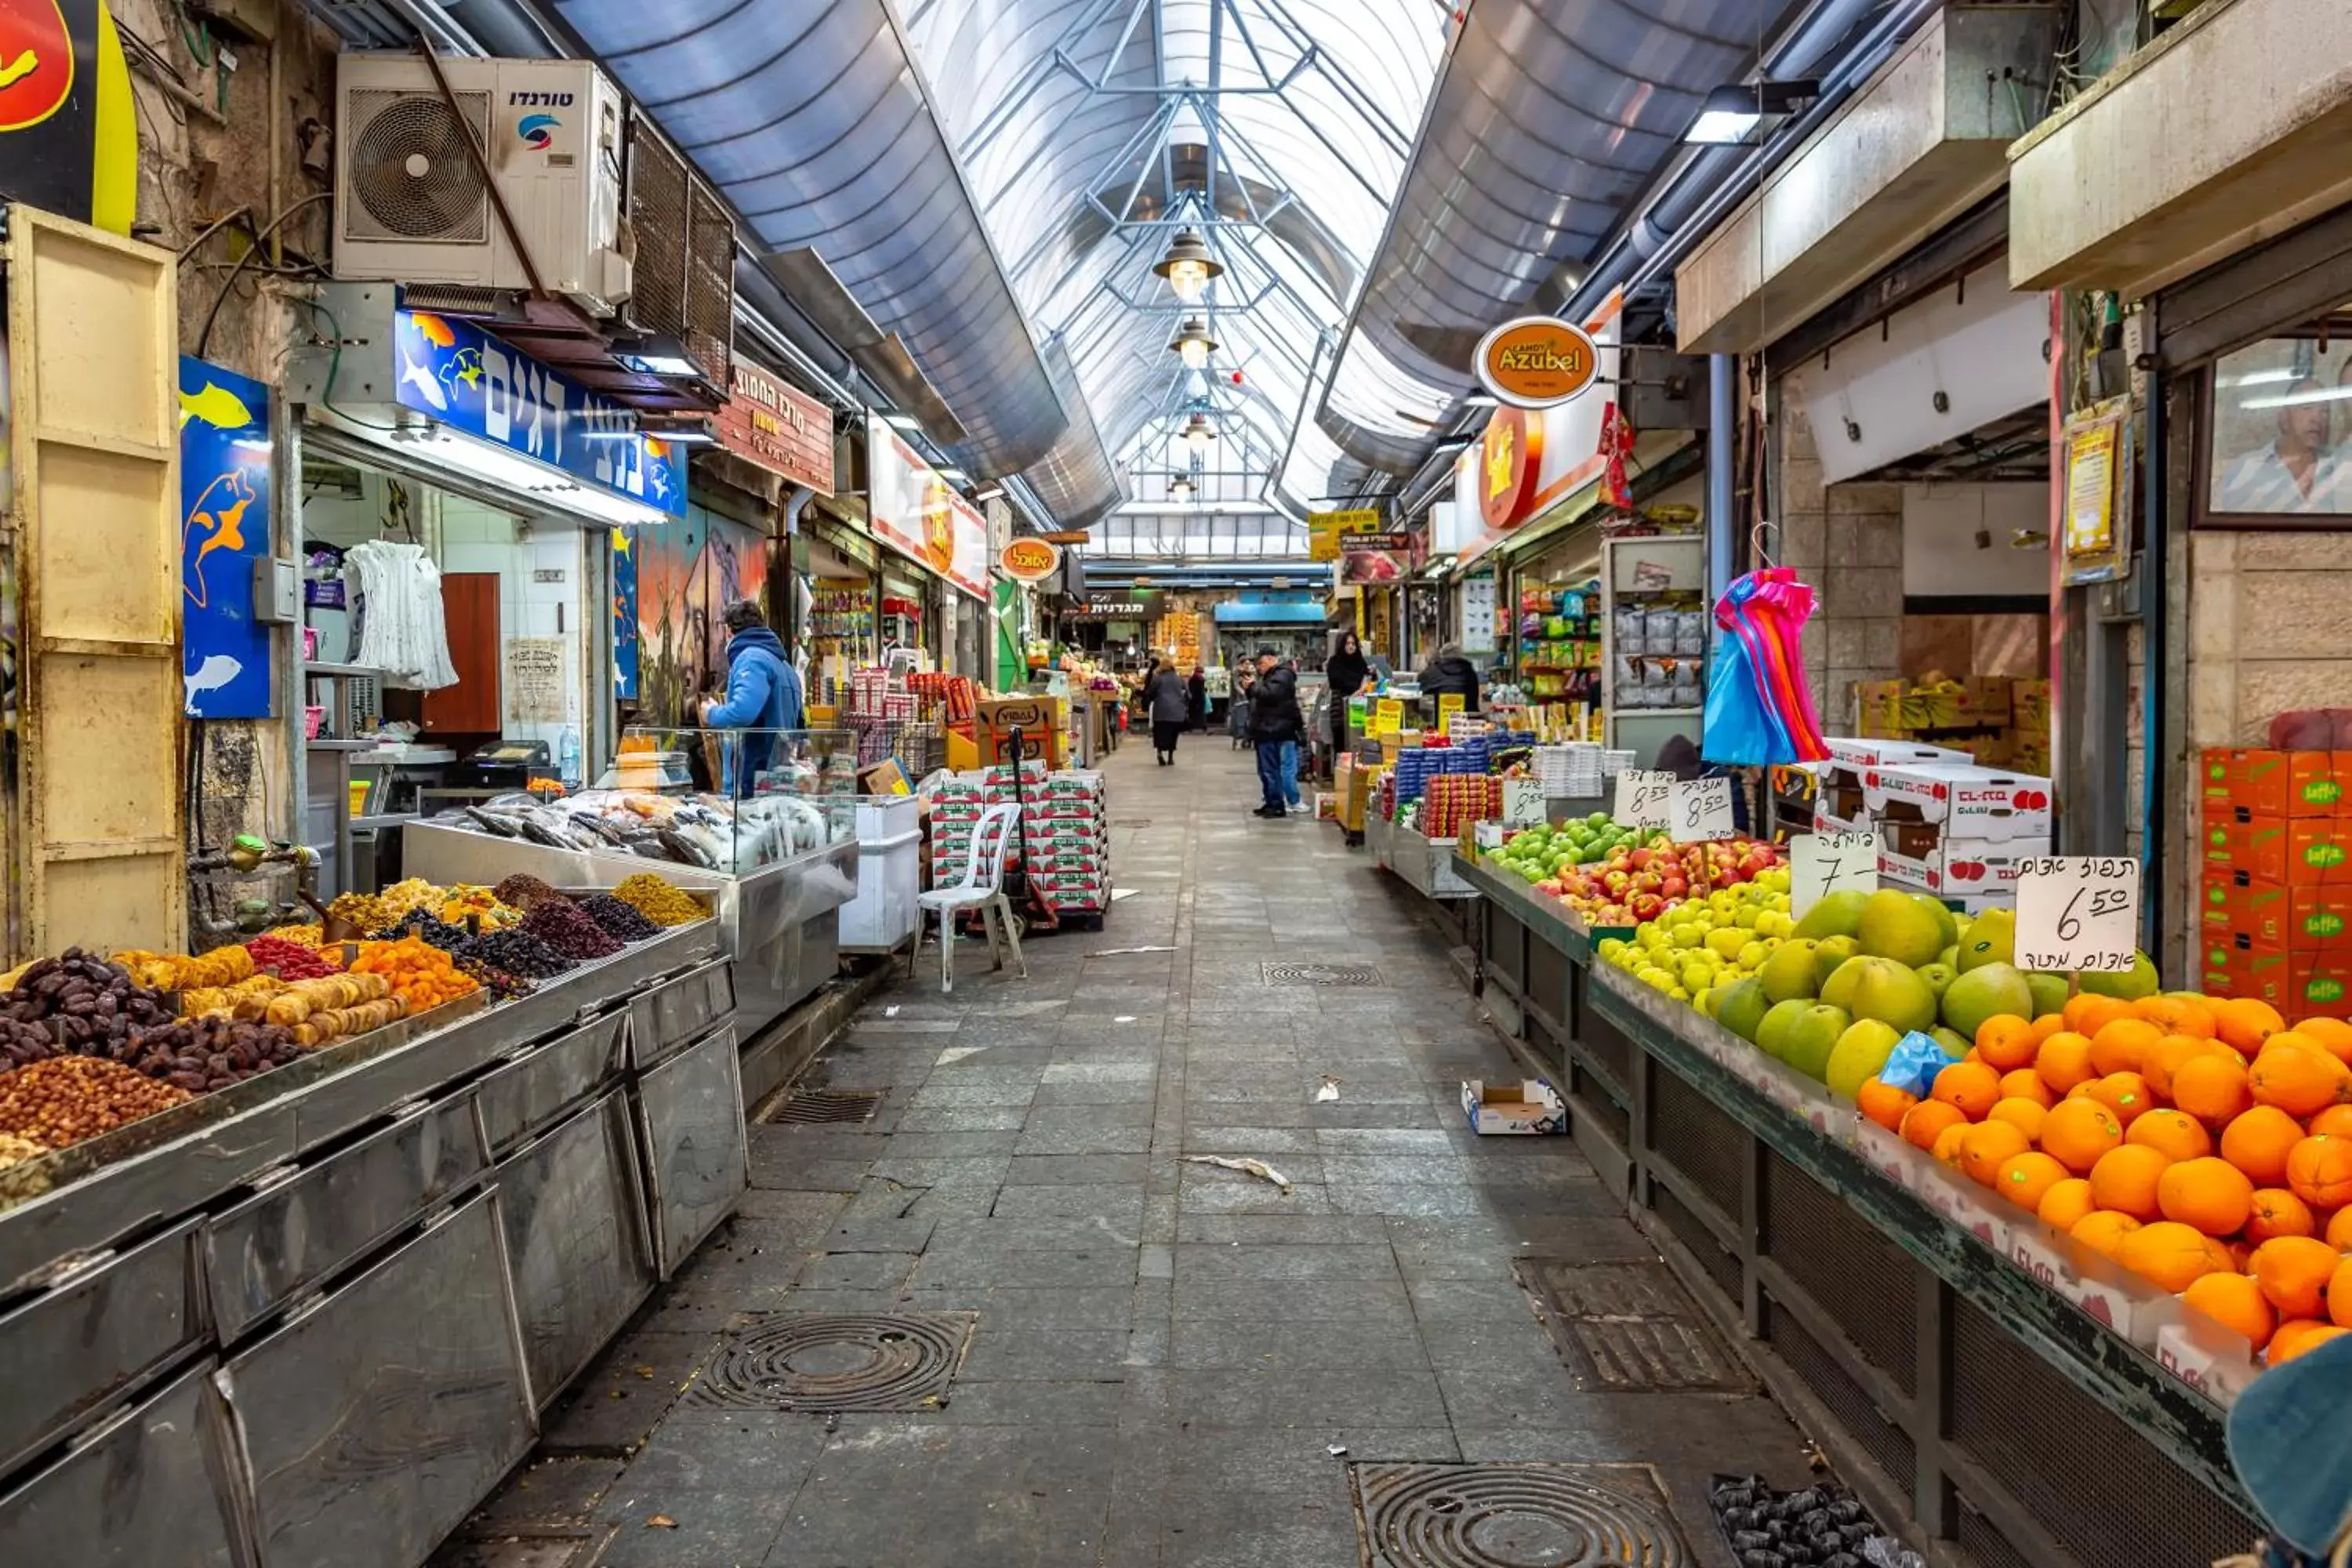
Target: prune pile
(560, 925)
(526, 892)
(78, 1002)
(427, 928)
(517, 953)
(617, 918)
(1819, 1527)
(201, 1055)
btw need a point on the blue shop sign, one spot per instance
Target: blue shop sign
(460, 375)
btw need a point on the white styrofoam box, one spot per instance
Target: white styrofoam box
(1977, 803)
(2215, 1362)
(889, 875)
(1858, 755)
(1959, 867)
(882, 819)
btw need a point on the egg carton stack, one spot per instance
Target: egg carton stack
(1570, 770)
(1613, 763)
(1065, 840)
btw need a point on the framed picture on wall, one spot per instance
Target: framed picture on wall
(2277, 447)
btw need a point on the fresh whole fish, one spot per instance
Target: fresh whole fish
(492, 822)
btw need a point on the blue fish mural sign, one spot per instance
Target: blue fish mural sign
(225, 462)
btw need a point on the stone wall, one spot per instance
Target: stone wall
(1846, 540)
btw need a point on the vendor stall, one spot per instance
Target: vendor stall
(315, 1313)
(778, 862)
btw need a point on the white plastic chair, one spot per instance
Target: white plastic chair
(981, 887)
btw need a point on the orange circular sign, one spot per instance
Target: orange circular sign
(1537, 361)
(1510, 461)
(1029, 560)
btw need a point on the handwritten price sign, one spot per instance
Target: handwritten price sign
(1701, 810)
(1644, 799)
(2078, 912)
(1821, 864)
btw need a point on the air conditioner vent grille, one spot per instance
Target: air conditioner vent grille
(411, 175)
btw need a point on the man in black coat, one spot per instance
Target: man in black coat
(1275, 723)
(1450, 672)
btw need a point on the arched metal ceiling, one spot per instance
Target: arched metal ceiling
(1096, 127)
(1546, 124)
(814, 121)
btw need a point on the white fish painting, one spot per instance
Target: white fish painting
(217, 670)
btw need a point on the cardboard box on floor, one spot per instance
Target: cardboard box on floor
(1041, 720)
(1526, 1106)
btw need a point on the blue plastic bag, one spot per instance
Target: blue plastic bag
(1914, 1064)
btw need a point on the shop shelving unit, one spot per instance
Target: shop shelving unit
(1637, 571)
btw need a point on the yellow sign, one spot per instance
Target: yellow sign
(1388, 718)
(1449, 707)
(2091, 488)
(1324, 529)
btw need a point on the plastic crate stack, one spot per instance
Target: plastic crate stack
(1456, 800)
(1065, 837)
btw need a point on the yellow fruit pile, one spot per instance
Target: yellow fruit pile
(2200, 1142)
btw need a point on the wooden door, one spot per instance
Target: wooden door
(469, 608)
(93, 323)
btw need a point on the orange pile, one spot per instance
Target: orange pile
(420, 974)
(2201, 1142)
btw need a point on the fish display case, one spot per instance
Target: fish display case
(317, 1316)
(779, 861)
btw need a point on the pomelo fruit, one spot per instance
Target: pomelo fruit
(1828, 954)
(1788, 974)
(1894, 926)
(1938, 977)
(1836, 915)
(1990, 938)
(1888, 991)
(2138, 980)
(1955, 1044)
(1740, 1007)
(1814, 1036)
(1988, 990)
(2049, 993)
(1858, 1055)
(1772, 1033)
(1948, 924)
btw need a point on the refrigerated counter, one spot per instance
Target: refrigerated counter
(315, 1318)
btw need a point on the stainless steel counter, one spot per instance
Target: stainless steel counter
(314, 1319)
(781, 924)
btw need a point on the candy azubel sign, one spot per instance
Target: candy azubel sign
(467, 380)
(1536, 362)
(1029, 560)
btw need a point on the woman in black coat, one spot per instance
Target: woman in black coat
(1168, 705)
(1347, 671)
(1198, 689)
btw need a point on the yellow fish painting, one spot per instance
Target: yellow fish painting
(217, 406)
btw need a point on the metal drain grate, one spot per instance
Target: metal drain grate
(1518, 1516)
(829, 1360)
(817, 1107)
(1319, 975)
(1631, 1326)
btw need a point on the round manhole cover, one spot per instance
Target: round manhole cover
(836, 1362)
(1518, 1516)
(1319, 975)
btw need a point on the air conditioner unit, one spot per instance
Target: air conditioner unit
(411, 206)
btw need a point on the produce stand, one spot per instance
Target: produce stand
(1425, 865)
(1955, 1388)
(314, 1317)
(780, 923)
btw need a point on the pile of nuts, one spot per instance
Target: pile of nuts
(559, 923)
(621, 919)
(526, 892)
(200, 1054)
(67, 1099)
(657, 899)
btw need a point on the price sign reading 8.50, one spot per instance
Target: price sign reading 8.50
(1701, 810)
(1644, 799)
(1821, 864)
(2078, 912)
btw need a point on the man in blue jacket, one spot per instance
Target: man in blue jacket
(764, 695)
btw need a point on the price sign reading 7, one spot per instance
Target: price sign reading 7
(1821, 864)
(2078, 912)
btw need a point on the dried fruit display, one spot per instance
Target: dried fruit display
(655, 899)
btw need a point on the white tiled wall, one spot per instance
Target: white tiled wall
(474, 538)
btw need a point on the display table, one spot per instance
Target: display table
(315, 1318)
(1956, 1389)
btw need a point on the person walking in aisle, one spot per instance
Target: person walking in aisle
(1276, 725)
(1169, 705)
(1348, 674)
(763, 696)
(1197, 688)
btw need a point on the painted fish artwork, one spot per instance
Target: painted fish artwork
(226, 460)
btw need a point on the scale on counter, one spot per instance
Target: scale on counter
(505, 764)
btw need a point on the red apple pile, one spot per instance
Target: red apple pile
(1632, 885)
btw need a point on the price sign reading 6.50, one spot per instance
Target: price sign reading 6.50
(2078, 912)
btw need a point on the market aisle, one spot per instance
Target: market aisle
(1163, 1354)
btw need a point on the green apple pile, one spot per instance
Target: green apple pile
(1543, 852)
(1698, 950)
(1860, 971)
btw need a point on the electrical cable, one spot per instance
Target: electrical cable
(205, 336)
